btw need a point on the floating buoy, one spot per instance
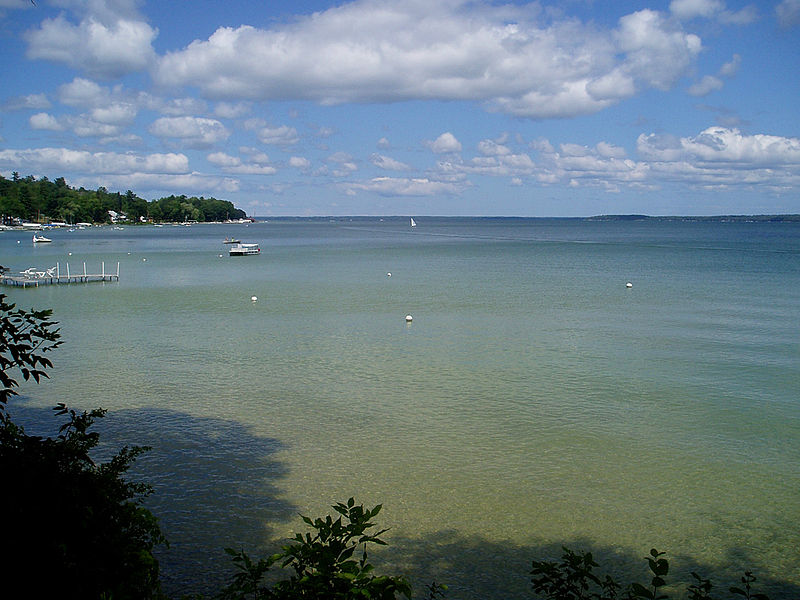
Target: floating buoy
(409, 318)
(388, 274)
(253, 298)
(220, 255)
(629, 284)
(144, 260)
(69, 253)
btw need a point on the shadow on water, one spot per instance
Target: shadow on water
(215, 485)
(475, 568)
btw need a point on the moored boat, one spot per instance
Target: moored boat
(39, 239)
(240, 249)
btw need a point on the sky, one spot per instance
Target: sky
(417, 107)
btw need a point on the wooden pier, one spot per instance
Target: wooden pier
(53, 276)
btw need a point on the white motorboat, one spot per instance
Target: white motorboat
(244, 249)
(40, 239)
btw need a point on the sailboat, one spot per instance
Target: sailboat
(413, 222)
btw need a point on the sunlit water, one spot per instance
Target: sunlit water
(534, 399)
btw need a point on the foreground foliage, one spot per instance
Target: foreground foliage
(574, 578)
(325, 564)
(72, 527)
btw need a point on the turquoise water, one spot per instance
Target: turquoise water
(534, 400)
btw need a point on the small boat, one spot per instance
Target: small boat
(413, 222)
(39, 239)
(230, 240)
(240, 249)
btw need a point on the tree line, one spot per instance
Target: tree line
(42, 200)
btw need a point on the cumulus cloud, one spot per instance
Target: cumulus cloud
(723, 145)
(45, 121)
(723, 156)
(712, 9)
(234, 164)
(194, 132)
(705, 86)
(101, 49)
(29, 102)
(393, 186)
(278, 136)
(232, 110)
(388, 163)
(445, 143)
(376, 50)
(711, 83)
(690, 9)
(66, 159)
(343, 163)
(299, 162)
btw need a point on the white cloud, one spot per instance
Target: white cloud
(788, 13)
(388, 163)
(445, 143)
(689, 9)
(722, 156)
(729, 69)
(710, 83)
(223, 160)
(722, 145)
(65, 159)
(345, 165)
(278, 136)
(105, 50)
(380, 51)
(607, 150)
(391, 186)
(45, 121)
(656, 52)
(194, 132)
(705, 86)
(231, 110)
(29, 102)
(686, 10)
(235, 165)
(83, 93)
(491, 148)
(299, 162)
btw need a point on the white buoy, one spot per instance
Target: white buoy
(144, 260)
(629, 284)
(69, 254)
(253, 298)
(220, 255)
(409, 318)
(388, 274)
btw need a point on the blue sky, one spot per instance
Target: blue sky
(421, 107)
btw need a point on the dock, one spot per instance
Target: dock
(54, 276)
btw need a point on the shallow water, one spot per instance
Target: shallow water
(534, 400)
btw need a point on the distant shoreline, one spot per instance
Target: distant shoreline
(779, 218)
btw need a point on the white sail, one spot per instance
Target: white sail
(413, 222)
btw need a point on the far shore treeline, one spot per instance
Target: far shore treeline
(42, 200)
